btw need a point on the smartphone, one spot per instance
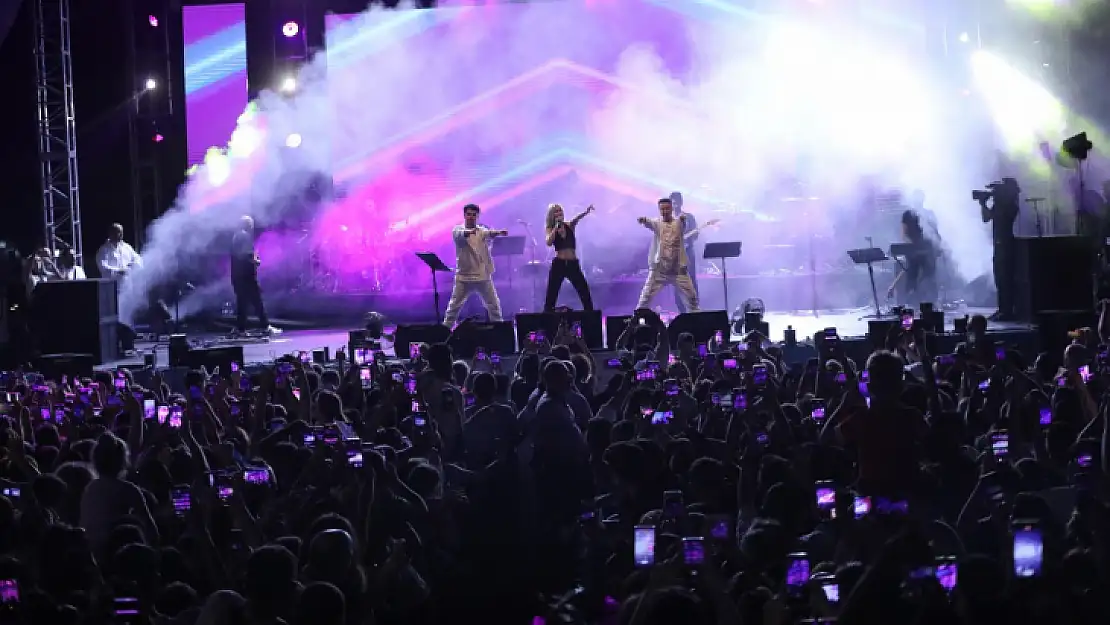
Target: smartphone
(12, 492)
(175, 416)
(662, 417)
(576, 329)
(645, 374)
(613, 363)
(829, 587)
(468, 399)
(480, 354)
(861, 507)
(234, 367)
(720, 527)
(366, 376)
(947, 570)
(703, 350)
(363, 355)
(719, 337)
(693, 550)
(162, 412)
(1045, 415)
(1028, 548)
(495, 358)
(256, 475)
(59, 415)
(182, 500)
(419, 421)
(673, 505)
(739, 400)
(643, 545)
(729, 363)
(1000, 444)
(149, 409)
(825, 492)
(671, 388)
(414, 351)
(1085, 373)
(759, 375)
(817, 410)
(126, 609)
(797, 573)
(1000, 354)
(537, 337)
(9, 593)
(297, 393)
(907, 321)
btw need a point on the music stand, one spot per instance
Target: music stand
(436, 265)
(508, 246)
(723, 251)
(868, 256)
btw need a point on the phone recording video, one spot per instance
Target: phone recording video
(729, 363)
(414, 351)
(907, 321)
(480, 354)
(643, 545)
(946, 572)
(363, 356)
(495, 358)
(861, 507)
(703, 350)
(1045, 415)
(739, 400)
(576, 329)
(797, 573)
(829, 588)
(366, 376)
(673, 504)
(693, 550)
(256, 475)
(182, 500)
(671, 388)
(537, 337)
(1000, 444)
(826, 498)
(817, 410)
(149, 409)
(12, 492)
(9, 593)
(662, 417)
(419, 421)
(720, 527)
(613, 363)
(759, 375)
(1085, 373)
(175, 416)
(645, 375)
(1028, 549)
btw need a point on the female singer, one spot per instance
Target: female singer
(920, 270)
(565, 266)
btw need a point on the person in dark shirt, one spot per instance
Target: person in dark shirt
(1001, 214)
(919, 275)
(244, 279)
(565, 266)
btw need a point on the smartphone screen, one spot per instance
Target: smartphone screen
(182, 500)
(662, 417)
(366, 376)
(1028, 549)
(1045, 415)
(826, 497)
(9, 592)
(946, 572)
(907, 321)
(148, 409)
(817, 410)
(693, 550)
(162, 413)
(414, 351)
(175, 416)
(1000, 444)
(797, 573)
(256, 476)
(861, 507)
(643, 546)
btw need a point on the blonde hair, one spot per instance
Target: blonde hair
(549, 220)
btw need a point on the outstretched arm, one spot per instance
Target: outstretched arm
(580, 216)
(647, 223)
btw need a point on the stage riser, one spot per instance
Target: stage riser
(779, 293)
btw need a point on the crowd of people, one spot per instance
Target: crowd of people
(687, 483)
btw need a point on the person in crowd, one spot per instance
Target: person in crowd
(68, 269)
(41, 268)
(739, 483)
(668, 263)
(244, 279)
(565, 265)
(474, 266)
(116, 258)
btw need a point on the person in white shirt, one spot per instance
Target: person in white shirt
(116, 258)
(667, 260)
(67, 265)
(474, 267)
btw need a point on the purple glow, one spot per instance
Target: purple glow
(290, 29)
(152, 20)
(158, 138)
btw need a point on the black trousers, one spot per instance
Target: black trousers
(1004, 277)
(247, 294)
(567, 270)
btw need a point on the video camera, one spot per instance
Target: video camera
(1005, 188)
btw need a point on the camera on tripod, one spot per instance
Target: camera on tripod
(1007, 187)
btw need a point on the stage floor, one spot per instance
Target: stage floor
(849, 323)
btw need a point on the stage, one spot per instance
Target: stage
(849, 323)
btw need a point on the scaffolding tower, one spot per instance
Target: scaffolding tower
(61, 206)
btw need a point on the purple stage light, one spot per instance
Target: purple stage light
(158, 138)
(152, 20)
(290, 29)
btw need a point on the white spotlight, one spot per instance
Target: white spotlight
(964, 37)
(289, 84)
(293, 141)
(151, 84)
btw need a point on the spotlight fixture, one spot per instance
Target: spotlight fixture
(293, 141)
(150, 84)
(290, 29)
(1078, 146)
(288, 84)
(964, 37)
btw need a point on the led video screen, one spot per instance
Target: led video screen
(215, 40)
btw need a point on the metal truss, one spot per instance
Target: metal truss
(61, 206)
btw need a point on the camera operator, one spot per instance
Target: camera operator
(1001, 214)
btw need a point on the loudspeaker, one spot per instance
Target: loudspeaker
(1054, 273)
(428, 333)
(614, 327)
(77, 317)
(54, 366)
(548, 322)
(703, 325)
(494, 337)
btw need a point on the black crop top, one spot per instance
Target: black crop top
(565, 243)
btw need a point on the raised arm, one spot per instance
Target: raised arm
(580, 216)
(647, 223)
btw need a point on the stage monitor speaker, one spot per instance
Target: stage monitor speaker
(212, 358)
(77, 316)
(1054, 274)
(614, 327)
(493, 336)
(703, 325)
(427, 333)
(548, 323)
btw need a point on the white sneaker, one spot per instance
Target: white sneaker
(271, 331)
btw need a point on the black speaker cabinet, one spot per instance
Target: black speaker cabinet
(703, 325)
(77, 317)
(427, 333)
(493, 336)
(1054, 274)
(548, 323)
